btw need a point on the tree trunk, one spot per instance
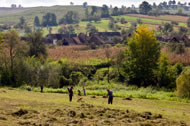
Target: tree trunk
(108, 74)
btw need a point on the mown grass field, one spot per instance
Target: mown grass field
(19, 107)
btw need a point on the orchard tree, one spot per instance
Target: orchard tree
(145, 7)
(142, 56)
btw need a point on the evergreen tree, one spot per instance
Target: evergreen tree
(115, 11)
(94, 10)
(36, 21)
(105, 11)
(145, 7)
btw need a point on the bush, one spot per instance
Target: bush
(166, 74)
(75, 77)
(139, 21)
(59, 43)
(183, 84)
(175, 23)
(123, 21)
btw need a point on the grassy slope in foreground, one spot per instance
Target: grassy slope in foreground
(42, 108)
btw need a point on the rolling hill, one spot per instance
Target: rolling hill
(11, 16)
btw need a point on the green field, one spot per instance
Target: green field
(146, 20)
(20, 107)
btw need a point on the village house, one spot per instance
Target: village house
(53, 38)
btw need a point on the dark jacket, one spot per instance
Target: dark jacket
(70, 91)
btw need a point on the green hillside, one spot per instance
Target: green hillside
(11, 16)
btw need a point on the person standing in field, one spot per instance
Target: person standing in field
(110, 96)
(84, 90)
(70, 90)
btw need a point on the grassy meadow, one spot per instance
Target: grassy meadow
(12, 15)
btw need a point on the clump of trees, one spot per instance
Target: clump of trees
(141, 68)
(94, 15)
(49, 19)
(91, 28)
(70, 17)
(113, 24)
(67, 30)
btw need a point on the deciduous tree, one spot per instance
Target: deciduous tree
(142, 56)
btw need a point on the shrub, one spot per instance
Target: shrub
(175, 23)
(166, 75)
(59, 43)
(75, 77)
(139, 21)
(183, 84)
(123, 21)
(183, 29)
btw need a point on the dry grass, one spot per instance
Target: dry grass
(178, 58)
(76, 53)
(176, 18)
(82, 53)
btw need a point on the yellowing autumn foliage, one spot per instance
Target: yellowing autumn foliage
(143, 53)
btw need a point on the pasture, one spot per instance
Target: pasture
(19, 107)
